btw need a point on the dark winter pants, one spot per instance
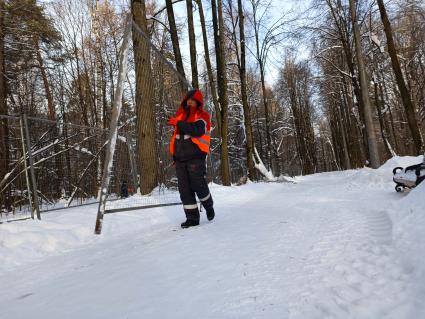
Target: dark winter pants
(191, 181)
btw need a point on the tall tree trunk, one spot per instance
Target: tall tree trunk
(391, 122)
(263, 88)
(218, 24)
(174, 38)
(246, 109)
(370, 128)
(98, 80)
(267, 115)
(344, 33)
(381, 120)
(347, 162)
(354, 133)
(49, 97)
(52, 117)
(4, 144)
(209, 67)
(192, 44)
(79, 78)
(404, 92)
(98, 74)
(144, 107)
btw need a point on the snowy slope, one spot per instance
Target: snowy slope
(409, 239)
(334, 245)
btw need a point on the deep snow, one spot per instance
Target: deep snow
(333, 245)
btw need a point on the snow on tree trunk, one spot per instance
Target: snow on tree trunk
(113, 134)
(259, 165)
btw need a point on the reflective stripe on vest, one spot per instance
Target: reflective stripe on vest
(203, 142)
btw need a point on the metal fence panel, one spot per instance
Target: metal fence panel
(68, 161)
(15, 200)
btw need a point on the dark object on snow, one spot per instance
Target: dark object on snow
(192, 217)
(410, 177)
(124, 189)
(190, 223)
(210, 213)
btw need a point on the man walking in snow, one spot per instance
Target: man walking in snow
(189, 147)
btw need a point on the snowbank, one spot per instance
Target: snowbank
(58, 232)
(408, 216)
(25, 241)
(383, 176)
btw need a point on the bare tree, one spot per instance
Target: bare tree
(261, 52)
(192, 44)
(404, 92)
(209, 67)
(175, 38)
(370, 128)
(4, 145)
(145, 109)
(343, 34)
(295, 88)
(218, 24)
(264, 42)
(244, 94)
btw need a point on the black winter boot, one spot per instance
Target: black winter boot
(192, 218)
(189, 223)
(210, 213)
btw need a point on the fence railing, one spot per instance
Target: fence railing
(45, 165)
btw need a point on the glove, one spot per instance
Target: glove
(172, 121)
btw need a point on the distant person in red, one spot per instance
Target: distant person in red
(189, 147)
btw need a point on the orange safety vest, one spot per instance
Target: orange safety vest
(203, 142)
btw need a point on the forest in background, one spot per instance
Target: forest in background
(349, 90)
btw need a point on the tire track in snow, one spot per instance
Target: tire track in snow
(380, 227)
(350, 272)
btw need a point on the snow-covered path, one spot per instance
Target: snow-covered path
(322, 248)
